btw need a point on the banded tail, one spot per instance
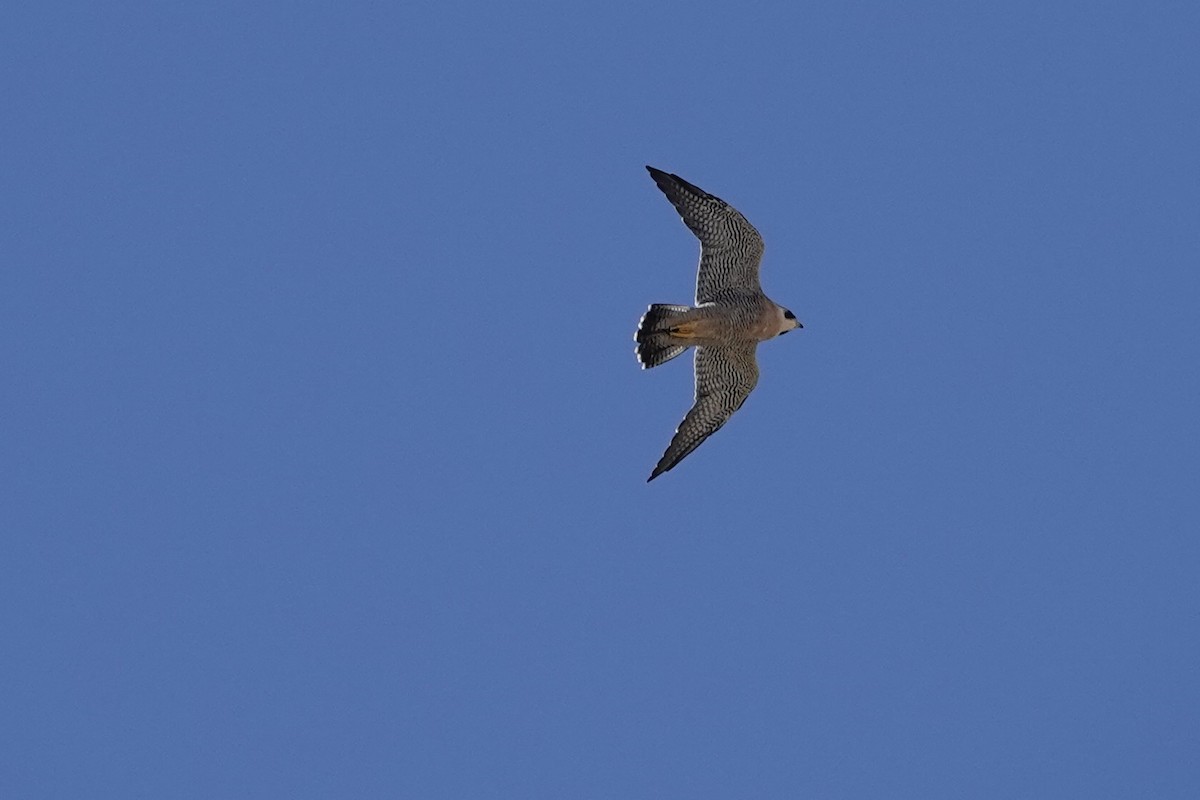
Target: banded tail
(654, 343)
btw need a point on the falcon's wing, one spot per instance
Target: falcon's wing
(730, 248)
(725, 376)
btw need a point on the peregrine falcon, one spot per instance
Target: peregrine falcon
(730, 318)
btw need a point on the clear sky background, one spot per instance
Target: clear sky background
(324, 446)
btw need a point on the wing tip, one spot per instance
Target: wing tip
(663, 179)
(666, 180)
(665, 464)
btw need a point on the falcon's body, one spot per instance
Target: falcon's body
(730, 318)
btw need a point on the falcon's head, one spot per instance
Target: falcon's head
(788, 321)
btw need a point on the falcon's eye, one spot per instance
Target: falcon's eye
(788, 315)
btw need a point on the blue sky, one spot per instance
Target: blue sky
(324, 445)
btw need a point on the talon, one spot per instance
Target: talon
(684, 331)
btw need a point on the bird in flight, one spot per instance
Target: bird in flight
(730, 318)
